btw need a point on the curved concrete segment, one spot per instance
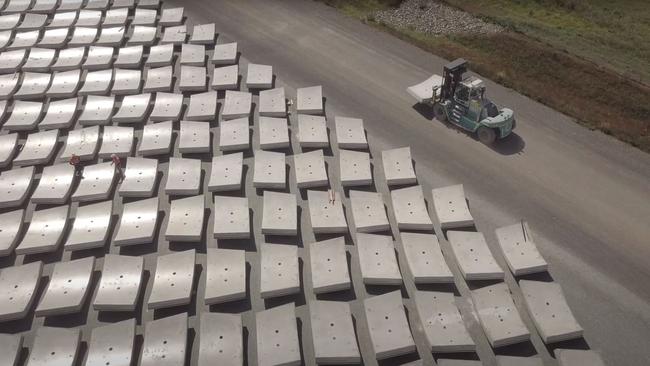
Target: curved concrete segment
(96, 82)
(225, 276)
(277, 336)
(134, 109)
(24, 116)
(116, 140)
(194, 137)
(424, 259)
(234, 135)
(90, 227)
(326, 212)
(310, 169)
(237, 104)
(165, 341)
(119, 287)
(226, 173)
(82, 142)
(273, 103)
(574, 357)
(65, 84)
(129, 57)
(172, 285)
(186, 219)
(97, 183)
(221, 340)
(55, 185)
(368, 212)
(183, 177)
(451, 208)
(8, 145)
(231, 218)
(498, 316)
(520, 250)
(279, 270)
(473, 256)
(389, 330)
(19, 285)
(159, 79)
(550, 312)
(68, 288)
(312, 131)
(69, 58)
(442, 323)
(34, 85)
(410, 209)
(333, 333)
(174, 35)
(168, 106)
(274, 133)
(97, 110)
(138, 222)
(112, 344)
(310, 100)
(10, 348)
(45, 231)
(140, 177)
(159, 55)
(202, 107)
(225, 78)
(193, 78)
(350, 133)
(259, 76)
(203, 34)
(127, 82)
(225, 54)
(354, 168)
(60, 114)
(280, 214)
(192, 55)
(55, 346)
(156, 139)
(15, 185)
(269, 170)
(398, 166)
(377, 260)
(11, 224)
(329, 266)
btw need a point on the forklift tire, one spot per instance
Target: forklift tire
(439, 113)
(486, 135)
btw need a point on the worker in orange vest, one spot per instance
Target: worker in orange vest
(75, 161)
(115, 160)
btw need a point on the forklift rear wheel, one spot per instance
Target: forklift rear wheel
(439, 113)
(486, 135)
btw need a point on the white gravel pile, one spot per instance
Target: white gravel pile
(432, 17)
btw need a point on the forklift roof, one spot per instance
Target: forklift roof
(457, 64)
(472, 82)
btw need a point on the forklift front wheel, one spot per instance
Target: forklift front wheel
(439, 113)
(486, 135)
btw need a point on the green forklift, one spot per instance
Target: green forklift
(462, 101)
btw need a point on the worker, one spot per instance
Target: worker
(75, 161)
(115, 160)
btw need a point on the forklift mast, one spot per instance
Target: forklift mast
(452, 75)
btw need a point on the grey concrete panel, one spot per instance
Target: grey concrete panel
(10, 61)
(97, 183)
(259, 76)
(126, 82)
(354, 168)
(60, 114)
(231, 218)
(115, 17)
(8, 145)
(39, 59)
(269, 170)
(24, 116)
(333, 333)
(69, 59)
(280, 273)
(97, 82)
(280, 214)
(25, 39)
(116, 140)
(159, 79)
(310, 100)
(234, 135)
(329, 266)
(54, 38)
(64, 84)
(9, 21)
(277, 337)
(174, 35)
(54, 346)
(377, 260)
(424, 258)
(70, 5)
(237, 104)
(520, 250)
(150, 4)
(111, 36)
(202, 107)
(368, 212)
(499, 316)
(68, 288)
(221, 340)
(142, 35)
(9, 84)
(14, 186)
(82, 142)
(134, 109)
(398, 166)
(194, 137)
(45, 231)
(519, 361)
(5, 37)
(172, 284)
(112, 344)
(389, 330)
(226, 276)
(160, 55)
(274, 133)
(326, 216)
(225, 77)
(90, 227)
(451, 207)
(99, 57)
(574, 357)
(139, 177)
(350, 133)
(442, 323)
(120, 284)
(312, 131)
(138, 222)
(186, 219)
(97, 4)
(193, 78)
(310, 169)
(97, 110)
(203, 34)
(33, 85)
(192, 54)
(129, 57)
(273, 103)
(184, 177)
(33, 21)
(550, 311)
(410, 209)
(144, 16)
(167, 107)
(156, 139)
(165, 341)
(38, 149)
(55, 185)
(226, 172)
(10, 347)
(10, 225)
(473, 256)
(63, 19)
(171, 17)
(88, 18)
(125, 4)
(225, 54)
(19, 285)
